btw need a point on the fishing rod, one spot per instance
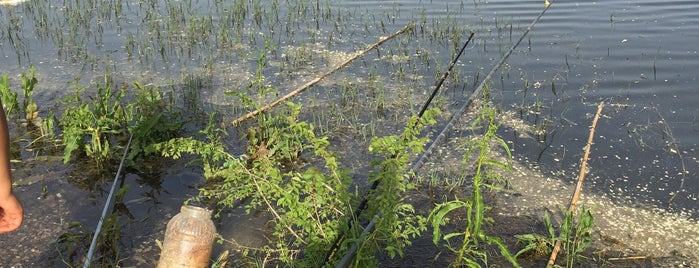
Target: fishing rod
(363, 204)
(418, 164)
(421, 161)
(375, 184)
(107, 207)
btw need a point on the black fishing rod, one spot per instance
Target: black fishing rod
(375, 184)
(475, 94)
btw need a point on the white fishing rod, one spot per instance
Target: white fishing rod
(107, 207)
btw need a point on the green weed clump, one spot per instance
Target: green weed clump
(287, 171)
(97, 127)
(9, 98)
(41, 131)
(468, 244)
(536, 245)
(97, 119)
(398, 221)
(31, 111)
(152, 119)
(575, 235)
(71, 246)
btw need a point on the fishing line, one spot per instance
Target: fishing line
(421, 161)
(107, 207)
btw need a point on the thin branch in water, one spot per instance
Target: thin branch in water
(674, 148)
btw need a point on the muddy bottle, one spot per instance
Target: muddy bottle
(189, 238)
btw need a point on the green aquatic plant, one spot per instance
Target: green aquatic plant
(467, 244)
(42, 129)
(398, 222)
(100, 126)
(286, 171)
(9, 98)
(576, 236)
(72, 245)
(536, 245)
(88, 126)
(29, 81)
(151, 119)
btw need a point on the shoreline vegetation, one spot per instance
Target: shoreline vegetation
(516, 187)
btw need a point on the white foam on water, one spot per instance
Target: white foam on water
(653, 232)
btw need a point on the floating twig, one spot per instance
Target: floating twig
(317, 79)
(581, 178)
(674, 148)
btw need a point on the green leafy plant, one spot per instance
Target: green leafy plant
(92, 125)
(287, 171)
(469, 249)
(207, 144)
(89, 125)
(69, 246)
(151, 120)
(576, 236)
(31, 110)
(398, 221)
(72, 245)
(9, 98)
(537, 245)
(41, 130)
(221, 261)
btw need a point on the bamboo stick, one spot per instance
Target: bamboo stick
(581, 178)
(321, 77)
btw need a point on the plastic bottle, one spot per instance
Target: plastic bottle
(189, 238)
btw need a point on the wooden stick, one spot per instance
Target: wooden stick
(581, 178)
(628, 258)
(317, 79)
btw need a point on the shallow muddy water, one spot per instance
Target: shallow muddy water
(640, 57)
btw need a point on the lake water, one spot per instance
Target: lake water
(640, 57)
